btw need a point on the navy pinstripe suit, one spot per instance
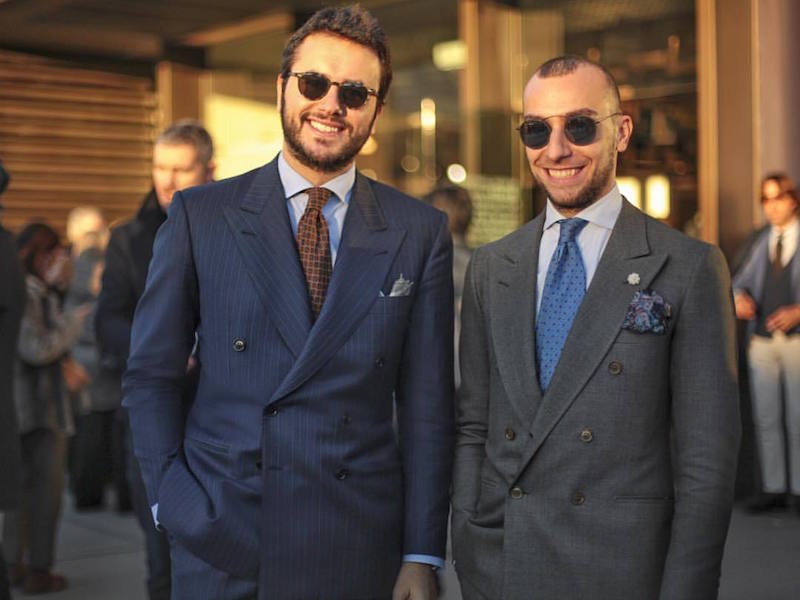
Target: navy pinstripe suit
(286, 467)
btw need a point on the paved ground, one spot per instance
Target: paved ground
(101, 554)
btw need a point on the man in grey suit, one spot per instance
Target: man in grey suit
(595, 341)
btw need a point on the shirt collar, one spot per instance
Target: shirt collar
(294, 183)
(603, 213)
(790, 231)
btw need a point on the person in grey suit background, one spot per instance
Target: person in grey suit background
(595, 341)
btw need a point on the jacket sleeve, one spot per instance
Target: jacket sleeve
(424, 398)
(117, 301)
(706, 431)
(161, 341)
(472, 412)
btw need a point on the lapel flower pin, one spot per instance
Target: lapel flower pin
(634, 279)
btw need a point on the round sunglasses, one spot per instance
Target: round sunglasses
(315, 85)
(581, 130)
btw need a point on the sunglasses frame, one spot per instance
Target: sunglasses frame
(566, 131)
(341, 85)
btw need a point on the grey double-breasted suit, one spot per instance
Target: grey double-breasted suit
(617, 483)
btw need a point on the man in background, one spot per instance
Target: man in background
(183, 156)
(12, 304)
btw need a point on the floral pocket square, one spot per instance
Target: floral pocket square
(647, 312)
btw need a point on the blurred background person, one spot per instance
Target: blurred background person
(94, 400)
(183, 156)
(455, 201)
(767, 295)
(44, 415)
(12, 302)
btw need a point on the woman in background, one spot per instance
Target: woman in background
(45, 419)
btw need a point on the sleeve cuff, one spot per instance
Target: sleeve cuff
(434, 561)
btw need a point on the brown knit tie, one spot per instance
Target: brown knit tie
(313, 243)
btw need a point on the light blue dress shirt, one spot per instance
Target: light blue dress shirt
(334, 211)
(602, 215)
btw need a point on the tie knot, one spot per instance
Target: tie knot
(570, 228)
(317, 197)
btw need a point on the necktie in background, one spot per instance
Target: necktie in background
(314, 246)
(563, 291)
(777, 265)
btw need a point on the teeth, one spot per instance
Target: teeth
(562, 173)
(322, 127)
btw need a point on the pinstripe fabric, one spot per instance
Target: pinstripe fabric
(286, 468)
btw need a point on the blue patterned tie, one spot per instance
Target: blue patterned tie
(563, 291)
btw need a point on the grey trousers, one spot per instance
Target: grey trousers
(29, 534)
(775, 381)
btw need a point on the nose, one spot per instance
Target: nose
(330, 101)
(558, 146)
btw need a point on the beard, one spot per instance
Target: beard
(589, 193)
(323, 164)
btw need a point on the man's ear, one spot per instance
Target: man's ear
(279, 88)
(624, 133)
(210, 170)
(378, 112)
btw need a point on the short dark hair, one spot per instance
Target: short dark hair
(352, 23)
(785, 183)
(34, 239)
(569, 63)
(191, 133)
(458, 200)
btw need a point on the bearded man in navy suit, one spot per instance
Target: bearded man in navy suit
(313, 312)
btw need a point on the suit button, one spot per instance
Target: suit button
(615, 367)
(510, 434)
(346, 420)
(586, 435)
(517, 493)
(379, 362)
(259, 464)
(342, 474)
(272, 412)
(578, 498)
(239, 345)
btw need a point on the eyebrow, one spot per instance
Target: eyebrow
(587, 112)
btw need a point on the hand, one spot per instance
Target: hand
(745, 306)
(75, 376)
(784, 319)
(416, 581)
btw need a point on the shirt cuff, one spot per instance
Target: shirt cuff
(434, 561)
(154, 510)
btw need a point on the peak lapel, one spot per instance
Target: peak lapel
(260, 225)
(366, 253)
(513, 316)
(599, 318)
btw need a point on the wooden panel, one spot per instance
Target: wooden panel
(70, 137)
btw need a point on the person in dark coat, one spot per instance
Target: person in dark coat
(12, 303)
(182, 158)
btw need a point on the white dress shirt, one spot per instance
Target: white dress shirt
(788, 243)
(592, 240)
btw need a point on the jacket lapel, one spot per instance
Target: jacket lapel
(263, 234)
(366, 253)
(513, 316)
(599, 319)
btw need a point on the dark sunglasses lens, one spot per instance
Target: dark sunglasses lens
(580, 130)
(313, 86)
(535, 134)
(352, 95)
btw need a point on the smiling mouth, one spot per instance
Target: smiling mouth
(564, 173)
(323, 127)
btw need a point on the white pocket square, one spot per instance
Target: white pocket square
(401, 287)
